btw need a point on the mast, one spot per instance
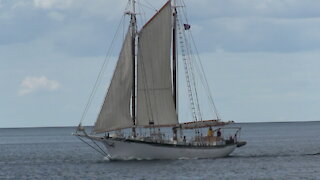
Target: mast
(133, 100)
(174, 57)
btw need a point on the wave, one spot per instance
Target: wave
(272, 155)
(108, 159)
(315, 154)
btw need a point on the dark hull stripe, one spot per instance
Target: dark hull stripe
(170, 145)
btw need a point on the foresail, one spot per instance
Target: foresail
(115, 112)
(155, 103)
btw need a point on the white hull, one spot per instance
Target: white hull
(125, 150)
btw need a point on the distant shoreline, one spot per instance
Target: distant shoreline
(317, 121)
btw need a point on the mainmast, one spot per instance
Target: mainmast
(133, 99)
(174, 57)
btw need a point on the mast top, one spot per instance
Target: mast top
(131, 11)
(133, 5)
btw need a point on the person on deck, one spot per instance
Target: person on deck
(219, 132)
(210, 132)
(175, 136)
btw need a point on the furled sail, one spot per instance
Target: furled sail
(115, 111)
(155, 103)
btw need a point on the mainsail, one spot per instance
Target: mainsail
(155, 103)
(115, 112)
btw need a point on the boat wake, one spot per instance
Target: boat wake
(273, 155)
(128, 159)
(315, 154)
(107, 159)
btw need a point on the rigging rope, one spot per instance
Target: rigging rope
(102, 153)
(150, 6)
(204, 80)
(192, 91)
(103, 67)
(199, 66)
(142, 14)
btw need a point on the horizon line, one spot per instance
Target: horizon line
(31, 127)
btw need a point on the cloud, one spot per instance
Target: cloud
(83, 8)
(33, 84)
(253, 8)
(56, 16)
(84, 28)
(259, 34)
(47, 4)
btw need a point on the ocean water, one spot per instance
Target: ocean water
(274, 151)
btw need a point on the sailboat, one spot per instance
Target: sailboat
(139, 116)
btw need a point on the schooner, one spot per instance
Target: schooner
(139, 116)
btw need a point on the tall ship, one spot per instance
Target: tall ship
(139, 118)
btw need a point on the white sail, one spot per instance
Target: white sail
(154, 99)
(115, 112)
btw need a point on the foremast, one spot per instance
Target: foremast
(133, 98)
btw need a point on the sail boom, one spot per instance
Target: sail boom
(204, 124)
(110, 130)
(159, 126)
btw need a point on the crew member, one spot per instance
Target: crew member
(175, 137)
(210, 132)
(219, 132)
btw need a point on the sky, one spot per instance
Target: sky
(261, 58)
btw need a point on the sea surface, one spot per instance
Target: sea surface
(274, 151)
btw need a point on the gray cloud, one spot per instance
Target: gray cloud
(85, 28)
(260, 34)
(252, 8)
(20, 24)
(251, 26)
(67, 26)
